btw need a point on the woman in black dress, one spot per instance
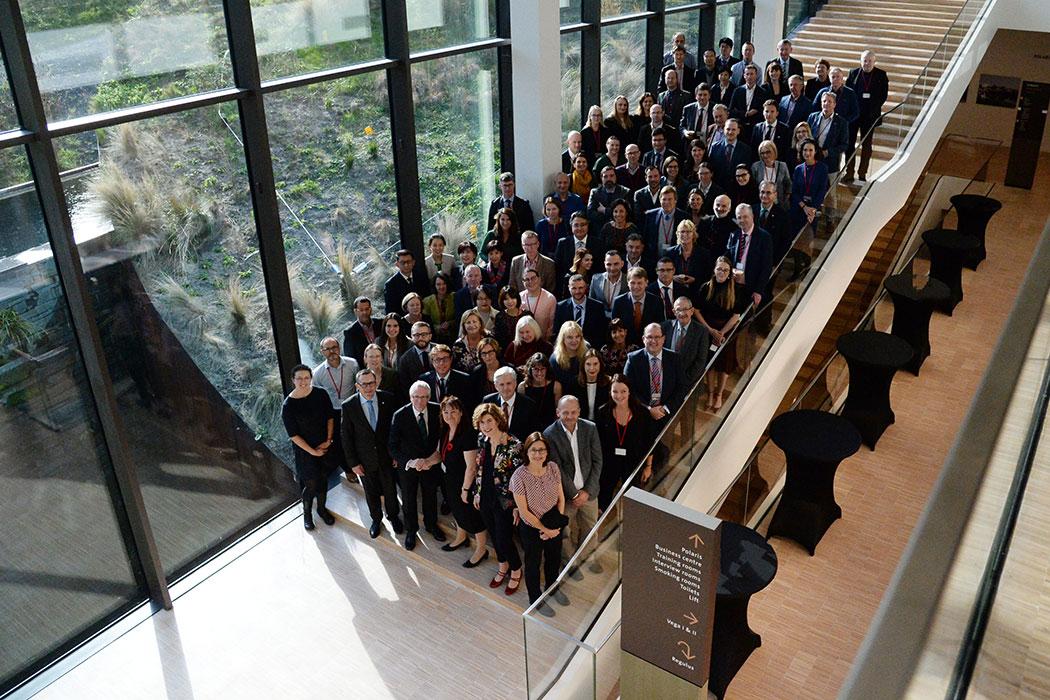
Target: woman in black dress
(309, 420)
(626, 431)
(458, 452)
(719, 304)
(482, 375)
(541, 386)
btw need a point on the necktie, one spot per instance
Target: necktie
(425, 359)
(441, 389)
(769, 133)
(372, 420)
(637, 315)
(654, 379)
(742, 247)
(422, 423)
(578, 314)
(729, 153)
(791, 108)
(580, 244)
(506, 411)
(762, 217)
(506, 204)
(679, 339)
(668, 304)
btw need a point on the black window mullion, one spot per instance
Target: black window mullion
(654, 44)
(590, 57)
(506, 87)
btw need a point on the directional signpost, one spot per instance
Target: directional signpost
(670, 574)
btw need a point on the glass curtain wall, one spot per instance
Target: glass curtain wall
(570, 82)
(728, 23)
(623, 62)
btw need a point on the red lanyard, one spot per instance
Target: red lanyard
(621, 436)
(866, 77)
(339, 386)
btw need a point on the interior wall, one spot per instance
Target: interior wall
(1012, 54)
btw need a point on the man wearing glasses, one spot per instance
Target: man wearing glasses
(336, 376)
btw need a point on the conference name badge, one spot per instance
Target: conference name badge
(620, 452)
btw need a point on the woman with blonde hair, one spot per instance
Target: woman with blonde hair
(620, 122)
(768, 167)
(721, 300)
(465, 349)
(567, 358)
(691, 261)
(802, 133)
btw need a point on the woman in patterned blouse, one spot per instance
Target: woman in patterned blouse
(499, 454)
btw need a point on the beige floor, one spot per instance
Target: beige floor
(814, 615)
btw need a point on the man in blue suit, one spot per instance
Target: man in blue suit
(750, 250)
(637, 308)
(724, 157)
(830, 131)
(589, 313)
(846, 104)
(795, 107)
(655, 375)
(660, 224)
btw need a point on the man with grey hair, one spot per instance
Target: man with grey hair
(576, 449)
(414, 433)
(846, 105)
(336, 376)
(788, 66)
(574, 147)
(871, 85)
(750, 250)
(679, 40)
(519, 409)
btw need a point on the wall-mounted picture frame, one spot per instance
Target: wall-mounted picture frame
(998, 91)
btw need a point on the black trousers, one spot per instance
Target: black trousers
(500, 524)
(379, 485)
(857, 130)
(412, 481)
(539, 552)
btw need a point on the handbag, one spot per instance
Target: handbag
(554, 520)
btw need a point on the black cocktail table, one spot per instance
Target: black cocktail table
(748, 565)
(974, 212)
(912, 309)
(814, 443)
(873, 358)
(949, 250)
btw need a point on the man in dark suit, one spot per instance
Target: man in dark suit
(770, 129)
(795, 107)
(750, 250)
(673, 99)
(406, 279)
(631, 174)
(685, 75)
(665, 288)
(574, 147)
(655, 375)
(520, 409)
(362, 331)
(660, 225)
(788, 66)
(599, 207)
(576, 449)
(724, 157)
(773, 219)
(416, 359)
(696, 116)
(414, 433)
(830, 131)
(660, 150)
(678, 40)
(688, 339)
(649, 196)
(709, 189)
(465, 298)
(508, 199)
(445, 381)
(637, 308)
(720, 225)
(707, 72)
(366, 444)
(871, 86)
(582, 237)
(846, 104)
(589, 313)
(747, 102)
(725, 57)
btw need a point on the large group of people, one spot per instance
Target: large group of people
(519, 381)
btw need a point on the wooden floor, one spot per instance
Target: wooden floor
(816, 612)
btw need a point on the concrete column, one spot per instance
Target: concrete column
(767, 29)
(536, 68)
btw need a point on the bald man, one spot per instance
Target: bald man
(871, 85)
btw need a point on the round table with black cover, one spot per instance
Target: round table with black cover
(912, 309)
(873, 357)
(974, 212)
(814, 443)
(949, 251)
(748, 565)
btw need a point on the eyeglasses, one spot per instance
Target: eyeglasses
(366, 384)
(330, 348)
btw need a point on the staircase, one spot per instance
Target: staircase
(842, 29)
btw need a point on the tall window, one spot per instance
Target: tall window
(623, 62)
(171, 255)
(457, 122)
(435, 24)
(570, 82)
(64, 565)
(100, 56)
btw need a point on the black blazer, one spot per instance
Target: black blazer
(396, 287)
(524, 421)
(779, 230)
(362, 445)
(677, 290)
(355, 341)
(781, 138)
(794, 67)
(522, 211)
(595, 325)
(673, 103)
(565, 251)
(739, 107)
(723, 168)
(406, 442)
(687, 84)
(693, 354)
(409, 368)
(759, 260)
(601, 397)
(672, 388)
(878, 86)
(458, 384)
(623, 309)
(593, 148)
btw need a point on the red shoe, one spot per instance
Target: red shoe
(514, 584)
(497, 580)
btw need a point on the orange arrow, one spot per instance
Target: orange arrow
(691, 618)
(686, 651)
(696, 540)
